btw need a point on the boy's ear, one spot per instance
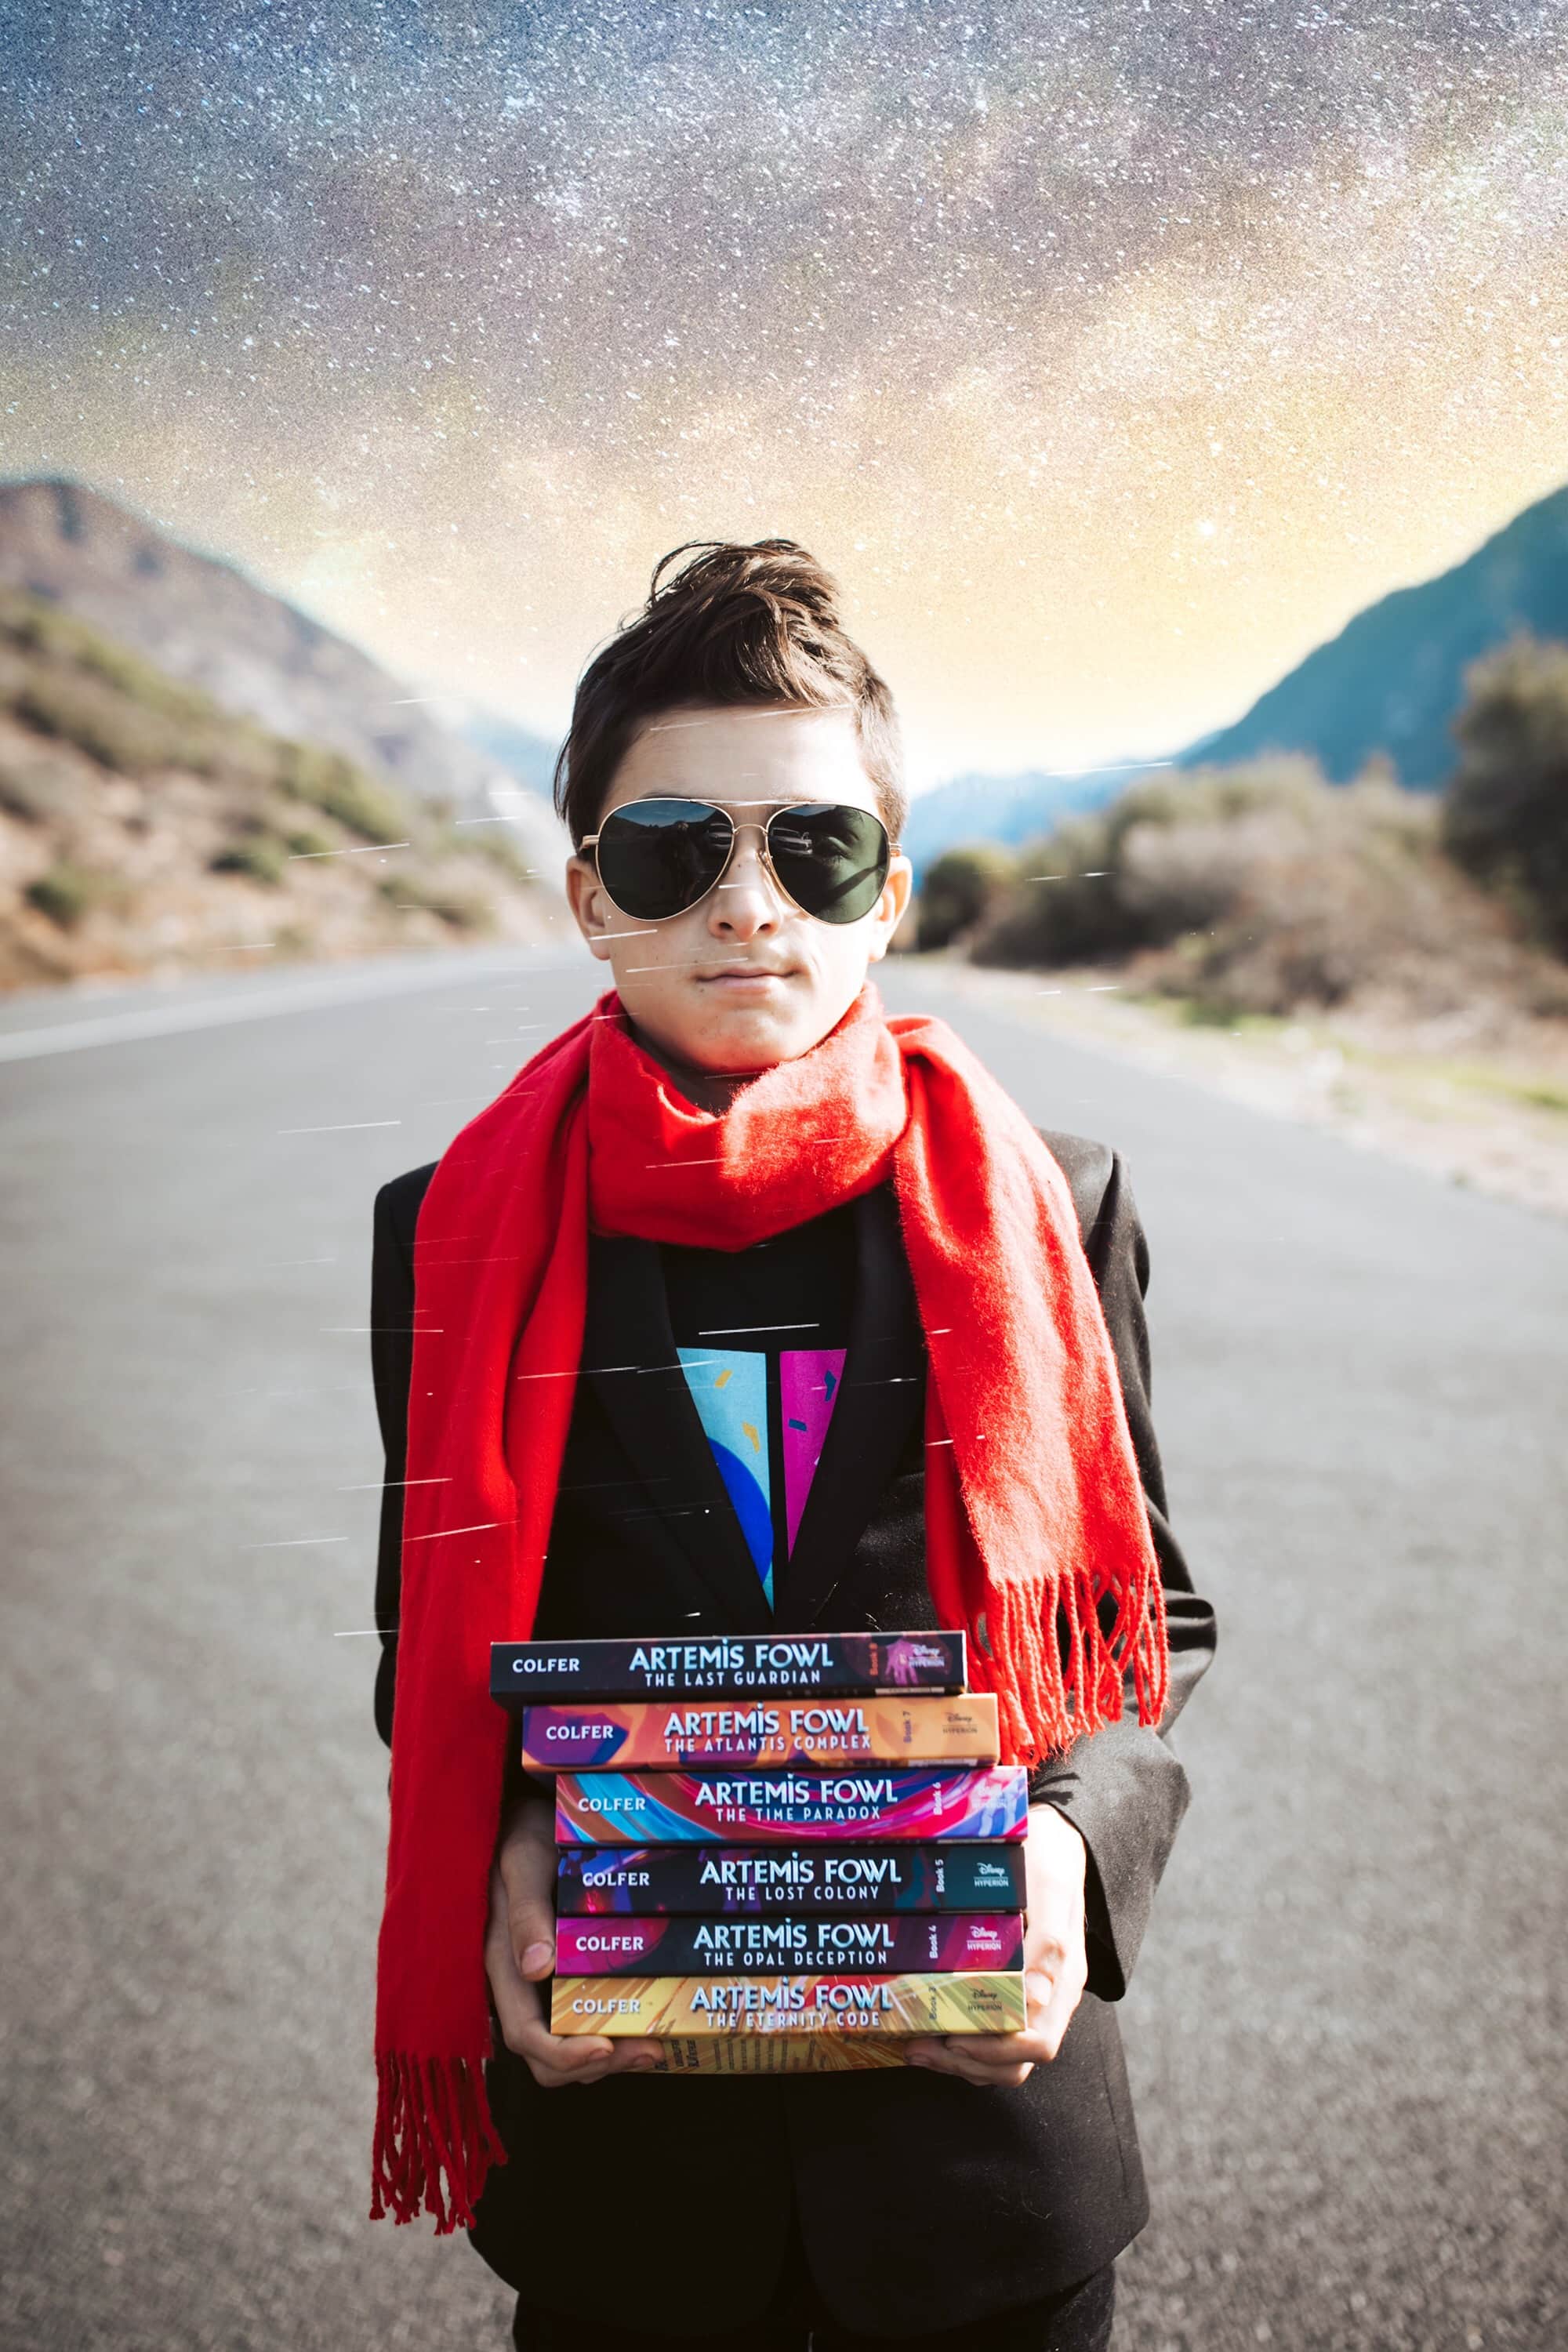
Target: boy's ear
(591, 909)
(892, 907)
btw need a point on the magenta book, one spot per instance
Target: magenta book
(746, 1807)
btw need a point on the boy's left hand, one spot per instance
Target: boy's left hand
(1056, 1966)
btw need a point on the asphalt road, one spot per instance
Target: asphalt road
(1346, 2032)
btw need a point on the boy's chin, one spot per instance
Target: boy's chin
(746, 1044)
(745, 1040)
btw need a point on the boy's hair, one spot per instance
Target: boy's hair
(738, 623)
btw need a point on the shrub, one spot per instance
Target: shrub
(235, 754)
(68, 893)
(69, 643)
(1164, 859)
(329, 782)
(303, 841)
(40, 790)
(1256, 891)
(64, 679)
(960, 888)
(410, 890)
(465, 910)
(503, 849)
(79, 709)
(67, 680)
(255, 855)
(1060, 908)
(1505, 814)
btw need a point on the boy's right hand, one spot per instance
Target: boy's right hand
(520, 1950)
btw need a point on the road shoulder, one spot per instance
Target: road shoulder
(1495, 1118)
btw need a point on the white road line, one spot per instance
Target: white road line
(219, 1013)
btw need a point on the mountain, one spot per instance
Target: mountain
(529, 757)
(207, 625)
(1393, 681)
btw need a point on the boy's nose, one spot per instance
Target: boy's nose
(746, 900)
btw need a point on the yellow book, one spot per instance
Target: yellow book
(978, 2001)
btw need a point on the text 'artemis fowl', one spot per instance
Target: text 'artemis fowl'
(524, 1671)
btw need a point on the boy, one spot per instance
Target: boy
(734, 1205)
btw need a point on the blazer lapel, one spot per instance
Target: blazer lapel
(879, 1404)
(629, 1358)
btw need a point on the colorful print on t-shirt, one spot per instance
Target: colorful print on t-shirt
(764, 1414)
(808, 1390)
(730, 1390)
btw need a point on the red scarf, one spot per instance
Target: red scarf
(1034, 1505)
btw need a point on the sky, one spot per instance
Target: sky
(1110, 354)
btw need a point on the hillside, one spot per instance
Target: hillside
(204, 624)
(144, 829)
(1393, 681)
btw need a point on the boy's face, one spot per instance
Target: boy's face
(743, 979)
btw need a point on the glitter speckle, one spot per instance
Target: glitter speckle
(449, 322)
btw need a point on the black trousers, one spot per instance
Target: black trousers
(1077, 2320)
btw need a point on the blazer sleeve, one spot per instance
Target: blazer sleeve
(392, 1364)
(1123, 1787)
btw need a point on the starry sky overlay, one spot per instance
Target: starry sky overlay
(1112, 355)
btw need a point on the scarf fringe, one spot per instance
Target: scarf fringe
(433, 2127)
(1140, 1638)
(1045, 1700)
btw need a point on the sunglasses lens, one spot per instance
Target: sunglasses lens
(659, 857)
(832, 861)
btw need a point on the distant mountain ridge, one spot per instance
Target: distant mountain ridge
(529, 757)
(1008, 809)
(1394, 678)
(1390, 683)
(210, 625)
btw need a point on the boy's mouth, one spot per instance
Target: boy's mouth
(742, 975)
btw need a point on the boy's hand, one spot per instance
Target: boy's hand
(520, 1949)
(1056, 1966)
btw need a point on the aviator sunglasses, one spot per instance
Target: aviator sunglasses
(658, 857)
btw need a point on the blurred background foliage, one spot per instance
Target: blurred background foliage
(1505, 816)
(1262, 888)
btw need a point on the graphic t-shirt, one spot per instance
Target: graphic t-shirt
(761, 1335)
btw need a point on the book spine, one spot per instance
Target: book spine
(743, 1809)
(659, 2007)
(746, 1881)
(771, 1732)
(947, 1943)
(745, 1666)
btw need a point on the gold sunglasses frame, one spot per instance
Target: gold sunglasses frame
(747, 824)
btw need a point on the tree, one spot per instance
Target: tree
(1505, 813)
(960, 888)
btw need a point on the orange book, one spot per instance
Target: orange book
(690, 1734)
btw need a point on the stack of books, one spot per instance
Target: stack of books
(776, 1855)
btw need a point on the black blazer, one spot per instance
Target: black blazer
(923, 2203)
